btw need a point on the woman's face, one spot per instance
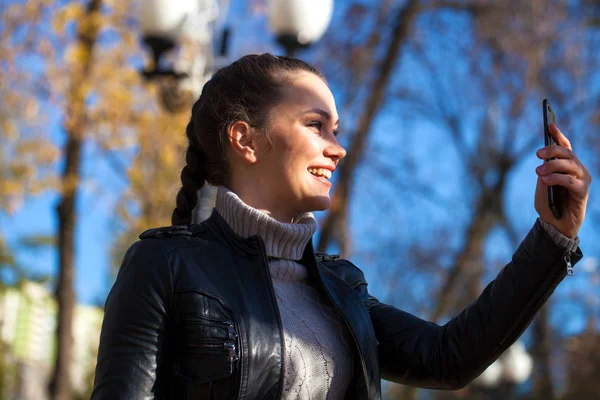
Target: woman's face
(296, 168)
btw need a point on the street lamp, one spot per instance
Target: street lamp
(299, 23)
(187, 25)
(512, 368)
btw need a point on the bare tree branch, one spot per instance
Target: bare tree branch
(336, 218)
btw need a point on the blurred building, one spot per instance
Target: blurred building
(27, 342)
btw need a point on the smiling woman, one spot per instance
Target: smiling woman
(277, 175)
(241, 307)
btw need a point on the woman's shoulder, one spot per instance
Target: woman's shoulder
(157, 243)
(154, 253)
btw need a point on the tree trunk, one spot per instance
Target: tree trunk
(541, 352)
(74, 126)
(334, 222)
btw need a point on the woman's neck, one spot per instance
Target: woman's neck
(282, 240)
(257, 199)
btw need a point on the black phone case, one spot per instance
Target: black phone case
(555, 193)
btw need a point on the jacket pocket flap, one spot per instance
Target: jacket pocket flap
(202, 365)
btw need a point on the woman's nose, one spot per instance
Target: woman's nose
(335, 151)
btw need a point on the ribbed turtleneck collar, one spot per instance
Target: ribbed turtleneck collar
(282, 240)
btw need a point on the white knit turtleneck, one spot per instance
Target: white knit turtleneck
(318, 359)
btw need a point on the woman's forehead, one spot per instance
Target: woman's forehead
(308, 91)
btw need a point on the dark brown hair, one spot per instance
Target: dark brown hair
(242, 91)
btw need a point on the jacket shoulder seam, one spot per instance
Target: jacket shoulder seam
(172, 231)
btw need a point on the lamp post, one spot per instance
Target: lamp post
(185, 25)
(512, 368)
(299, 23)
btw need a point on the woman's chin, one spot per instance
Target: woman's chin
(318, 203)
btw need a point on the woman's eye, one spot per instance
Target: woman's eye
(316, 124)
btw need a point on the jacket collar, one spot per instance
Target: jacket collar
(223, 233)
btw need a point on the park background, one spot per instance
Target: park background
(440, 107)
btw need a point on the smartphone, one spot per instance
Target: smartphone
(556, 194)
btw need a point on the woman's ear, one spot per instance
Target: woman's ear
(242, 138)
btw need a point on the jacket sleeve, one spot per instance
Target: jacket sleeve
(419, 353)
(133, 333)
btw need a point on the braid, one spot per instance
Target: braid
(193, 178)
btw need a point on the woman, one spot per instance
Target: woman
(240, 306)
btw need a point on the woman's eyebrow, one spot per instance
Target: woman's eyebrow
(322, 113)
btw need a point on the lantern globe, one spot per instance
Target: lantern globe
(165, 18)
(517, 364)
(300, 21)
(491, 377)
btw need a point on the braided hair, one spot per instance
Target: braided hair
(244, 91)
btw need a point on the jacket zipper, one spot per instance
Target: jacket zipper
(230, 347)
(235, 355)
(548, 282)
(209, 321)
(197, 320)
(227, 346)
(279, 323)
(567, 258)
(362, 358)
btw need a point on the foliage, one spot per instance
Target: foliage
(79, 62)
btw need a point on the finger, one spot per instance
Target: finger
(572, 184)
(555, 151)
(569, 166)
(559, 138)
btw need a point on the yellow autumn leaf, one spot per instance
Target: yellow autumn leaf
(9, 130)
(75, 54)
(167, 157)
(32, 10)
(10, 188)
(73, 11)
(48, 155)
(58, 23)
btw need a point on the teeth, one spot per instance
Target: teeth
(325, 173)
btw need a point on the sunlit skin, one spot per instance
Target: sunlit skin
(567, 171)
(274, 176)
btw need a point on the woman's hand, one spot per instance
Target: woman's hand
(566, 171)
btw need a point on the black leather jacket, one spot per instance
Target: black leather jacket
(192, 315)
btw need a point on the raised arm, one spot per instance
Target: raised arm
(132, 342)
(419, 353)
